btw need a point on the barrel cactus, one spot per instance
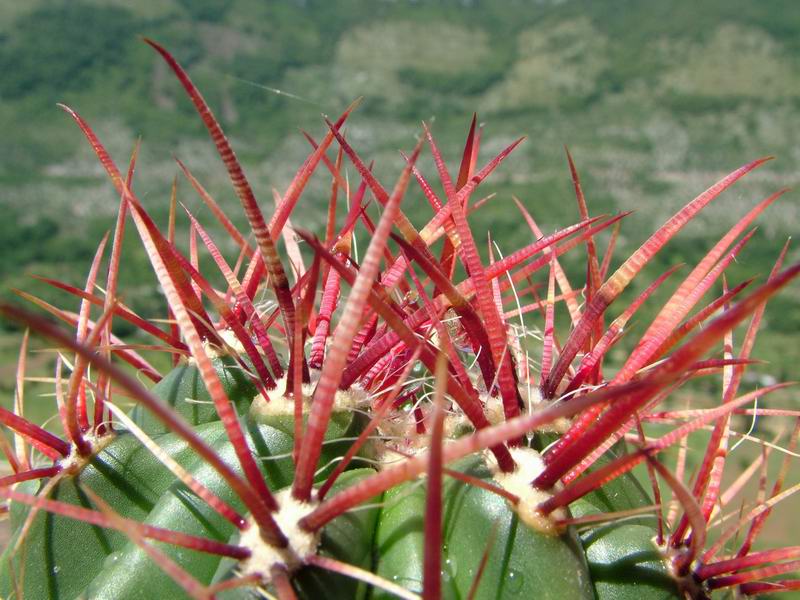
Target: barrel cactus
(426, 433)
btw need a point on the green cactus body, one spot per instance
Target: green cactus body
(523, 563)
(184, 391)
(67, 559)
(624, 562)
(128, 477)
(125, 475)
(348, 538)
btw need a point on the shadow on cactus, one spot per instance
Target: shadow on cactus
(425, 433)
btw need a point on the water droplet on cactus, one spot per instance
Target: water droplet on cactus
(449, 567)
(111, 560)
(514, 584)
(411, 584)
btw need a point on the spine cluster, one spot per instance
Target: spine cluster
(412, 420)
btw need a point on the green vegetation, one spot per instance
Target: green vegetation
(654, 99)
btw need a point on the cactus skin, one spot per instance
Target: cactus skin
(523, 563)
(127, 476)
(349, 538)
(375, 532)
(132, 480)
(624, 563)
(183, 390)
(139, 487)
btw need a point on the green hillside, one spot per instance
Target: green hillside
(655, 99)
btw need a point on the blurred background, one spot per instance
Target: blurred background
(655, 99)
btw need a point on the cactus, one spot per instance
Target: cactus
(415, 436)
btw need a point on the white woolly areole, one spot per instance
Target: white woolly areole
(398, 437)
(278, 401)
(532, 397)
(529, 465)
(536, 403)
(74, 463)
(302, 543)
(214, 351)
(493, 408)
